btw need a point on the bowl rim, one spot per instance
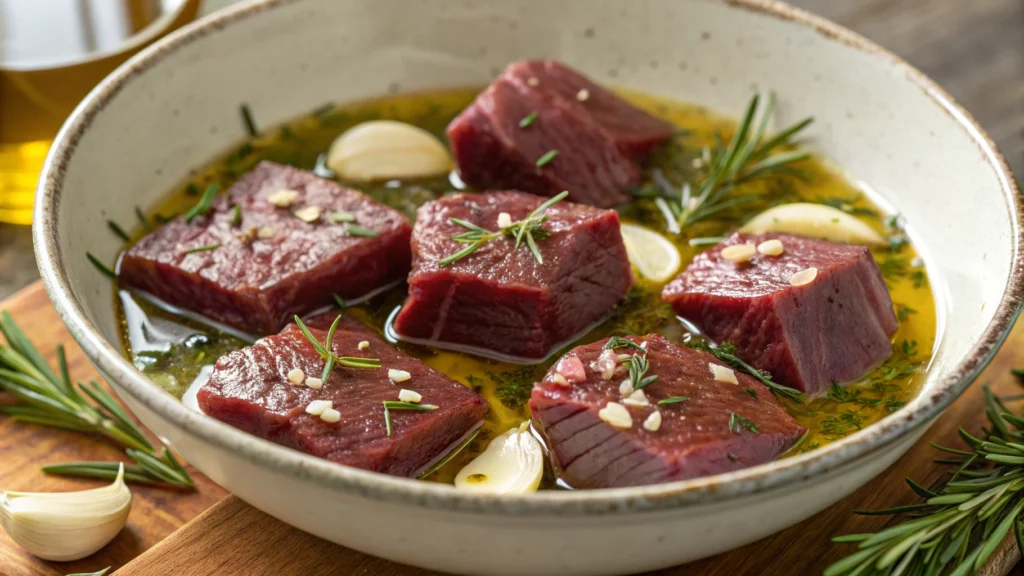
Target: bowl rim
(777, 475)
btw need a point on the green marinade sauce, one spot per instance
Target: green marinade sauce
(506, 387)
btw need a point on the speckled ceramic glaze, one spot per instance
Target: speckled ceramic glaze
(174, 106)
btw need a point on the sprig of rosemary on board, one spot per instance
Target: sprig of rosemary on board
(530, 229)
(726, 352)
(962, 519)
(50, 398)
(750, 155)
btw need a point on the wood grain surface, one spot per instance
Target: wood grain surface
(24, 448)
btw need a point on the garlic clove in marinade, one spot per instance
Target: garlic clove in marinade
(387, 150)
(813, 221)
(65, 526)
(513, 463)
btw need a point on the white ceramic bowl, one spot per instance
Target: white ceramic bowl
(174, 106)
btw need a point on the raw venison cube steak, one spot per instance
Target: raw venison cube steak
(282, 241)
(250, 389)
(499, 299)
(543, 128)
(601, 438)
(817, 313)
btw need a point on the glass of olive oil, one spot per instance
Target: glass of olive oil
(52, 52)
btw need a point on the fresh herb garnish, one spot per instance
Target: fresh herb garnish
(206, 248)
(749, 156)
(637, 363)
(329, 365)
(514, 386)
(547, 158)
(49, 398)
(351, 362)
(390, 405)
(903, 312)
(705, 241)
(118, 231)
(530, 228)
(341, 216)
(100, 266)
(672, 400)
(236, 216)
(447, 457)
(338, 300)
(250, 124)
(732, 457)
(837, 426)
(737, 423)
(726, 352)
(143, 220)
(962, 518)
(204, 204)
(528, 119)
(360, 231)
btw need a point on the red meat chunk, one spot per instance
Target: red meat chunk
(254, 274)
(597, 137)
(250, 390)
(721, 426)
(833, 329)
(500, 300)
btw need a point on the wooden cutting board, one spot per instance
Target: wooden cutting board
(233, 539)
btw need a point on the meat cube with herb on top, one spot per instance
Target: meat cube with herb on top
(642, 410)
(543, 128)
(282, 241)
(808, 311)
(569, 272)
(274, 389)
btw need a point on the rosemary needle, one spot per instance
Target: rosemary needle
(390, 405)
(350, 361)
(726, 352)
(118, 231)
(529, 229)
(204, 204)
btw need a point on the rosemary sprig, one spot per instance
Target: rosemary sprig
(637, 363)
(737, 423)
(101, 266)
(390, 405)
(962, 519)
(528, 119)
(204, 204)
(530, 229)
(447, 457)
(672, 400)
(750, 155)
(118, 231)
(143, 220)
(49, 398)
(339, 301)
(324, 352)
(250, 124)
(207, 248)
(726, 352)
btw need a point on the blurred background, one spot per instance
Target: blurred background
(53, 51)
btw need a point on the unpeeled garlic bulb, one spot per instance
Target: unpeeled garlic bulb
(64, 526)
(387, 150)
(813, 221)
(513, 463)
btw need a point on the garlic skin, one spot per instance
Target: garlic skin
(65, 526)
(513, 463)
(387, 150)
(813, 221)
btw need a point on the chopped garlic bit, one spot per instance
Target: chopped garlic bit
(625, 388)
(637, 398)
(317, 407)
(364, 345)
(330, 415)
(739, 253)
(296, 376)
(314, 383)
(532, 81)
(265, 232)
(803, 277)
(617, 415)
(409, 396)
(398, 375)
(283, 198)
(723, 374)
(308, 214)
(559, 380)
(653, 422)
(771, 247)
(583, 94)
(606, 364)
(504, 220)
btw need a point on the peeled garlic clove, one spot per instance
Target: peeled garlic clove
(813, 221)
(65, 526)
(387, 150)
(513, 463)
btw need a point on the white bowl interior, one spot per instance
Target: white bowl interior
(873, 116)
